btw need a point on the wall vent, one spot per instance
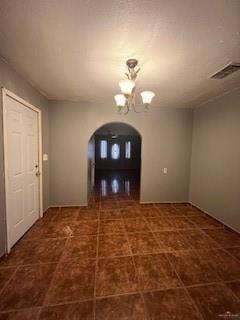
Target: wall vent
(226, 71)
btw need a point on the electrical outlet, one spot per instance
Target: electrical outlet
(165, 170)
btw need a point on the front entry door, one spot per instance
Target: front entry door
(21, 141)
(115, 154)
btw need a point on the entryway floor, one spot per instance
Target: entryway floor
(117, 259)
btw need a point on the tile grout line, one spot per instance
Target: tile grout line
(196, 309)
(234, 294)
(174, 269)
(185, 287)
(138, 279)
(95, 298)
(52, 279)
(96, 270)
(225, 250)
(116, 295)
(9, 280)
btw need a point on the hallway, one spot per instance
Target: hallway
(118, 259)
(117, 185)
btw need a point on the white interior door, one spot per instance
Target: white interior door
(21, 142)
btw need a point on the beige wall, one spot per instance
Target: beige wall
(166, 142)
(13, 82)
(215, 169)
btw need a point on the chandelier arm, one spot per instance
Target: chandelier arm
(134, 104)
(127, 111)
(135, 110)
(120, 110)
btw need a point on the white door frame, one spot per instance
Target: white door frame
(6, 93)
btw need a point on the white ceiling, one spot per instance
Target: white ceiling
(76, 50)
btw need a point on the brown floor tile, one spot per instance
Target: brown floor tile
(169, 224)
(52, 229)
(27, 288)
(36, 251)
(54, 266)
(88, 214)
(71, 209)
(67, 215)
(170, 304)
(112, 226)
(149, 213)
(80, 247)
(226, 267)
(181, 205)
(5, 275)
(199, 240)
(142, 243)
(94, 205)
(225, 237)
(71, 311)
(110, 214)
(72, 281)
(136, 225)
(235, 287)
(215, 301)
(50, 215)
(162, 205)
(109, 205)
(83, 227)
(191, 211)
(169, 212)
(205, 222)
(127, 203)
(191, 268)
(155, 272)
(129, 212)
(115, 276)
(113, 245)
(172, 240)
(234, 252)
(182, 223)
(124, 307)
(146, 205)
(27, 314)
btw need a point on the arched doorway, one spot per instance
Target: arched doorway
(114, 162)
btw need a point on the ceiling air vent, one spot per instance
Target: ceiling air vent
(226, 71)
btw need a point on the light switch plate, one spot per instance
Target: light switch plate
(45, 157)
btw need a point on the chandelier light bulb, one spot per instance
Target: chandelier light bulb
(147, 97)
(120, 100)
(126, 86)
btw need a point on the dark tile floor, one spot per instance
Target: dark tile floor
(119, 260)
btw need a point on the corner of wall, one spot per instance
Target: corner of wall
(191, 156)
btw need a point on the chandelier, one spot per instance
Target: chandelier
(126, 100)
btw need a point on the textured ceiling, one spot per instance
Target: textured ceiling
(76, 50)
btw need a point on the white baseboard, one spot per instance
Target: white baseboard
(66, 205)
(44, 211)
(151, 202)
(212, 216)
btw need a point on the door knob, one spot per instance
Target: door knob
(38, 173)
